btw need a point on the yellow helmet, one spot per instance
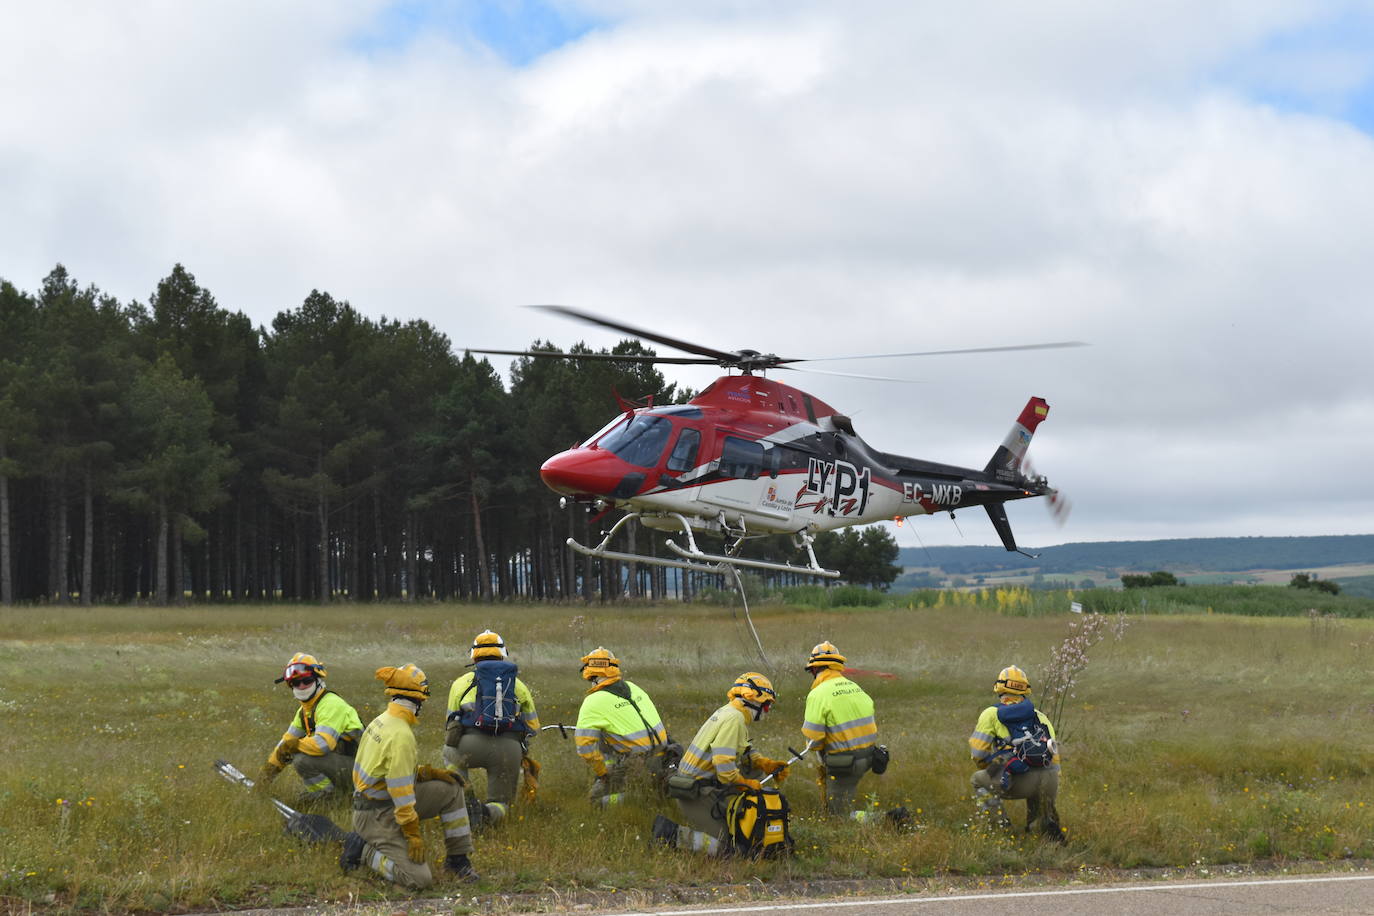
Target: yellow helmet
(300, 667)
(488, 645)
(600, 663)
(406, 681)
(825, 655)
(1012, 680)
(754, 689)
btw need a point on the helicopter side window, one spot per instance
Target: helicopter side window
(741, 458)
(684, 456)
(640, 443)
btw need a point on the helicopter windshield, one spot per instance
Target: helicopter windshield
(640, 442)
(591, 440)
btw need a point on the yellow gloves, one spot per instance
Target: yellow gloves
(281, 754)
(748, 783)
(780, 774)
(767, 764)
(415, 847)
(424, 773)
(269, 772)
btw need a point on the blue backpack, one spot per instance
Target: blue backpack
(496, 709)
(1031, 744)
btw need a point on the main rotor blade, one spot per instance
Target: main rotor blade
(876, 378)
(1040, 346)
(716, 355)
(608, 357)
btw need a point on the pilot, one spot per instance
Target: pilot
(1012, 771)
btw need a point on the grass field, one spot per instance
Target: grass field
(1193, 740)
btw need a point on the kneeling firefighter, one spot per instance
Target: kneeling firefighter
(839, 722)
(718, 763)
(392, 795)
(1014, 746)
(491, 718)
(619, 732)
(323, 737)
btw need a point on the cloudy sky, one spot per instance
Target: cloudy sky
(1188, 187)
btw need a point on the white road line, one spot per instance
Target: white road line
(912, 900)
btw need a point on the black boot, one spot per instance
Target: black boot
(458, 866)
(352, 855)
(1032, 813)
(899, 817)
(665, 830)
(477, 814)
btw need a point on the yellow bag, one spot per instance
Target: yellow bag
(757, 823)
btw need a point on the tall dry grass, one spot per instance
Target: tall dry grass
(1194, 739)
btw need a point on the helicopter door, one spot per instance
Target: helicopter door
(744, 462)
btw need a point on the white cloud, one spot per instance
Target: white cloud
(796, 177)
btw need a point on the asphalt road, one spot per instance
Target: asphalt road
(1345, 893)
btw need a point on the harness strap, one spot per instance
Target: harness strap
(623, 692)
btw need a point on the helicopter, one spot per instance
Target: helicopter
(750, 457)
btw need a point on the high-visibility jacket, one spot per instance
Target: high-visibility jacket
(991, 739)
(321, 722)
(385, 766)
(839, 715)
(608, 723)
(721, 746)
(462, 697)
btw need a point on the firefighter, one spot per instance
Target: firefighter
(719, 761)
(839, 724)
(322, 738)
(619, 732)
(499, 749)
(391, 795)
(1027, 769)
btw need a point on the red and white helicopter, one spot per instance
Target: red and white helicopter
(750, 456)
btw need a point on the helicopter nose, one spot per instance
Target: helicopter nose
(584, 472)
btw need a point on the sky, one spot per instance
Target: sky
(1189, 188)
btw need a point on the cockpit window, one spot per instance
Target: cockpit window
(640, 442)
(591, 440)
(684, 456)
(741, 458)
(677, 410)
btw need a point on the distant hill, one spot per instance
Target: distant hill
(1182, 554)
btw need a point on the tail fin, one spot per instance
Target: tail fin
(1005, 466)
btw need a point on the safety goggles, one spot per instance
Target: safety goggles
(296, 671)
(301, 682)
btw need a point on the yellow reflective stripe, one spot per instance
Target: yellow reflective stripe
(587, 741)
(401, 789)
(455, 822)
(851, 744)
(531, 720)
(367, 785)
(406, 814)
(726, 770)
(382, 865)
(694, 763)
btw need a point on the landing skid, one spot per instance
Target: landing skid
(694, 558)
